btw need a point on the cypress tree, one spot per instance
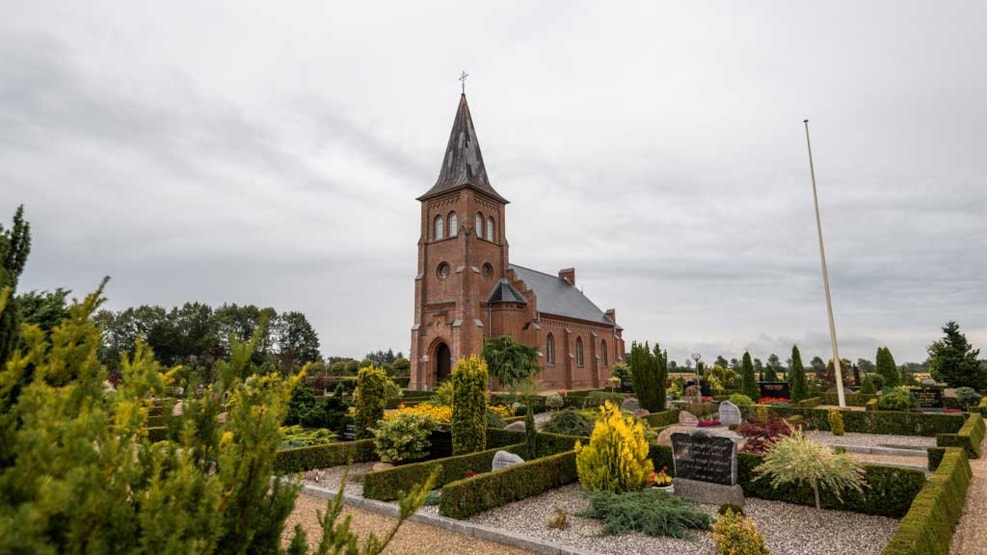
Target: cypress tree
(649, 371)
(800, 387)
(887, 368)
(748, 381)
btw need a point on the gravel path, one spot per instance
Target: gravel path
(788, 529)
(329, 478)
(968, 539)
(870, 440)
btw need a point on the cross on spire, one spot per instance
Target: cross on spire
(462, 79)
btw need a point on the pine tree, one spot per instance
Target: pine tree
(748, 382)
(887, 368)
(953, 360)
(15, 245)
(800, 386)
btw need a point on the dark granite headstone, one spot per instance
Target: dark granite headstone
(626, 387)
(774, 389)
(705, 458)
(349, 431)
(929, 398)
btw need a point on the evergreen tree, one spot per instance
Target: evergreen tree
(15, 245)
(649, 371)
(510, 362)
(800, 386)
(887, 368)
(748, 382)
(469, 406)
(774, 367)
(953, 360)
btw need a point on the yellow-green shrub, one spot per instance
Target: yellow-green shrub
(469, 406)
(736, 534)
(616, 458)
(836, 422)
(369, 400)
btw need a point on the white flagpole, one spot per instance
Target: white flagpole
(829, 301)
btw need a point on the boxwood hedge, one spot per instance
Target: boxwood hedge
(969, 437)
(467, 497)
(878, 422)
(927, 528)
(319, 456)
(889, 491)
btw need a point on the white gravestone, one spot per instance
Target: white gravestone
(729, 414)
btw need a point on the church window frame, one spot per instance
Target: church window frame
(490, 229)
(487, 271)
(550, 350)
(579, 352)
(453, 221)
(443, 270)
(438, 228)
(603, 353)
(479, 225)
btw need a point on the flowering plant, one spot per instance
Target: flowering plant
(562, 392)
(707, 399)
(709, 423)
(660, 479)
(773, 400)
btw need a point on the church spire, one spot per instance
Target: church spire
(463, 163)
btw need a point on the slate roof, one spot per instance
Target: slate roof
(463, 164)
(557, 296)
(504, 292)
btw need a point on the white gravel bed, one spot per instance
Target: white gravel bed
(329, 478)
(870, 440)
(788, 529)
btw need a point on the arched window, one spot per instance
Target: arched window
(579, 351)
(603, 352)
(479, 225)
(490, 229)
(438, 231)
(549, 350)
(453, 224)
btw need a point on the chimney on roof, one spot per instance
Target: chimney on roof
(569, 275)
(612, 315)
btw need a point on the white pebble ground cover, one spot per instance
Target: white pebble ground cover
(788, 529)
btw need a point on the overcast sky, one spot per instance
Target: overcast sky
(271, 152)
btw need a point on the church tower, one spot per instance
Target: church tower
(462, 254)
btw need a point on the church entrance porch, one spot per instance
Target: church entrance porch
(443, 362)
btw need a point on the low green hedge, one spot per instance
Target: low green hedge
(935, 457)
(852, 399)
(969, 437)
(700, 409)
(157, 433)
(927, 528)
(469, 496)
(537, 402)
(871, 405)
(387, 485)
(320, 456)
(661, 419)
(810, 403)
(889, 492)
(983, 406)
(878, 422)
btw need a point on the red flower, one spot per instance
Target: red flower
(470, 473)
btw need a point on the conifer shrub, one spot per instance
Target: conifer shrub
(554, 401)
(835, 417)
(404, 437)
(469, 406)
(650, 512)
(442, 395)
(735, 534)
(530, 435)
(616, 457)
(800, 385)
(570, 423)
(369, 399)
(897, 399)
(730, 507)
(967, 397)
(867, 386)
(798, 460)
(741, 400)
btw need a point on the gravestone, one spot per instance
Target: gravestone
(626, 387)
(515, 426)
(503, 459)
(729, 414)
(349, 431)
(929, 398)
(706, 468)
(630, 404)
(686, 418)
(774, 389)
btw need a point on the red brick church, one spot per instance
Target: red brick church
(467, 290)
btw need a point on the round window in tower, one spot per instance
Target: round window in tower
(487, 271)
(443, 270)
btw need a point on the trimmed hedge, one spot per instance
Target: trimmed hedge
(157, 433)
(537, 402)
(852, 399)
(890, 490)
(386, 485)
(927, 528)
(811, 403)
(878, 422)
(467, 497)
(320, 456)
(871, 405)
(159, 421)
(935, 457)
(983, 406)
(970, 437)
(700, 409)
(663, 418)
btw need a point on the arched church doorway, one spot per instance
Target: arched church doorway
(443, 362)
